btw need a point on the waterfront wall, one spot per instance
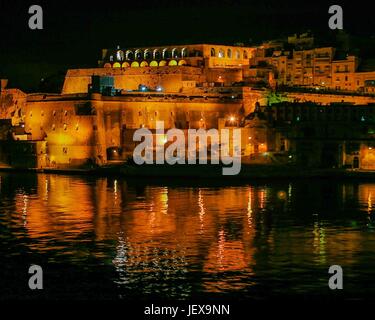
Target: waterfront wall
(81, 131)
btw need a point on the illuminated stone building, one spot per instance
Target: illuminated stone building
(311, 67)
(93, 119)
(211, 56)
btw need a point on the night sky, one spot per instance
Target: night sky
(75, 31)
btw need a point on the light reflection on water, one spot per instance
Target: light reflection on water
(123, 238)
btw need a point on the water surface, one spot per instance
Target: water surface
(107, 238)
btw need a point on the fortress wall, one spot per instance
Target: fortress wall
(227, 76)
(170, 78)
(133, 115)
(11, 101)
(251, 97)
(69, 136)
(329, 98)
(76, 84)
(74, 138)
(169, 83)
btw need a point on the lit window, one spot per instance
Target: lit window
(174, 53)
(184, 53)
(165, 53)
(129, 55)
(138, 55)
(120, 55)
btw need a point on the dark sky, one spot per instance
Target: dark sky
(75, 31)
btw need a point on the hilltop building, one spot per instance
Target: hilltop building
(92, 121)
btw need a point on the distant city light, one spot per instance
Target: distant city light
(281, 195)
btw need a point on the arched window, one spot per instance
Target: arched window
(181, 62)
(144, 64)
(107, 65)
(120, 55)
(135, 64)
(221, 53)
(172, 63)
(175, 53)
(129, 55)
(138, 55)
(153, 63)
(147, 54)
(125, 65)
(116, 65)
(162, 63)
(238, 54)
(184, 53)
(229, 53)
(157, 54)
(166, 53)
(245, 56)
(213, 52)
